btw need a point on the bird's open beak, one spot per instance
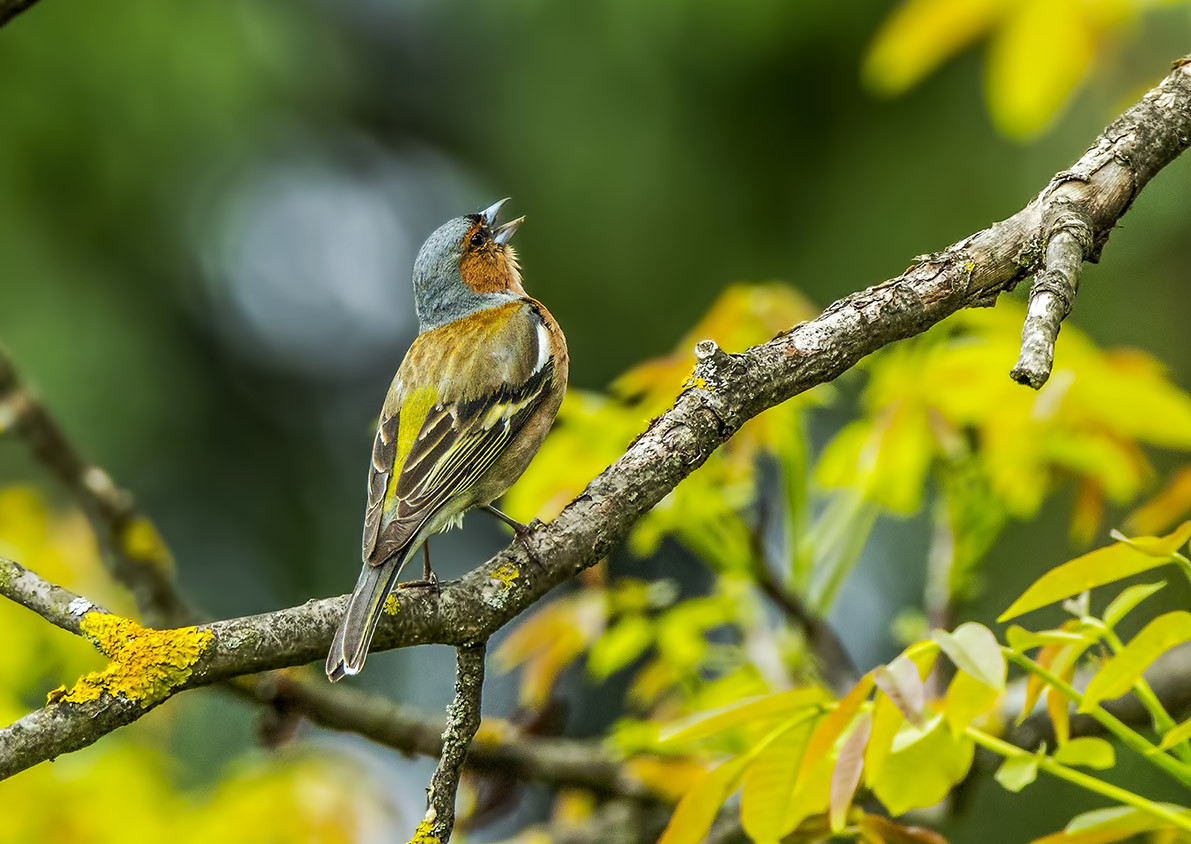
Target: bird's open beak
(493, 211)
(505, 233)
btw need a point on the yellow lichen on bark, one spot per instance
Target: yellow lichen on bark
(424, 834)
(145, 663)
(505, 575)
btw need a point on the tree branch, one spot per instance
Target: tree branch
(974, 271)
(463, 719)
(499, 750)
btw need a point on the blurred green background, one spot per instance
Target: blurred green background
(208, 214)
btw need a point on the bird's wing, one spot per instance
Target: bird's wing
(462, 394)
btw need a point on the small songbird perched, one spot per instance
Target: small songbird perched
(466, 412)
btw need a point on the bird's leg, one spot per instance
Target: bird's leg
(518, 528)
(522, 531)
(429, 578)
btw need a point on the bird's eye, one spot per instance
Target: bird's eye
(477, 240)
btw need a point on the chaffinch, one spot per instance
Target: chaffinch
(468, 408)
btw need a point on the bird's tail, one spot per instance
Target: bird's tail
(349, 648)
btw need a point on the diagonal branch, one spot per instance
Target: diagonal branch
(735, 388)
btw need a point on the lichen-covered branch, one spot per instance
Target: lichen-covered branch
(463, 719)
(134, 551)
(733, 388)
(60, 607)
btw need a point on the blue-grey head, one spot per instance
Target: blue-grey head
(465, 266)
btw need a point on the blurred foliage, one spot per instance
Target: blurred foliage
(1039, 51)
(126, 788)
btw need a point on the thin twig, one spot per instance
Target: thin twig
(463, 719)
(500, 749)
(1068, 244)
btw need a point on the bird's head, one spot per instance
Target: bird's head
(466, 265)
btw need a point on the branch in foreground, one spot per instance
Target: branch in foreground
(737, 387)
(463, 719)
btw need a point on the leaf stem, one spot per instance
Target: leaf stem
(1084, 781)
(1114, 725)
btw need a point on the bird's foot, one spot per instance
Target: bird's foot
(430, 582)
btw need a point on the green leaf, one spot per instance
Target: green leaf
(1127, 601)
(923, 767)
(1124, 669)
(1017, 772)
(770, 779)
(624, 642)
(772, 708)
(1096, 568)
(974, 650)
(1178, 735)
(846, 775)
(1088, 752)
(698, 808)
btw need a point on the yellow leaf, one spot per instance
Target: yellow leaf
(770, 708)
(1058, 707)
(695, 812)
(1104, 826)
(923, 767)
(887, 720)
(1096, 568)
(1017, 772)
(1088, 752)
(1159, 546)
(626, 640)
(919, 36)
(1124, 603)
(1124, 669)
(1177, 735)
(1034, 63)
(835, 724)
(967, 699)
(770, 780)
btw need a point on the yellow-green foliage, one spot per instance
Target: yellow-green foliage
(123, 789)
(145, 663)
(1039, 51)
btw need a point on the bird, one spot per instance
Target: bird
(469, 407)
